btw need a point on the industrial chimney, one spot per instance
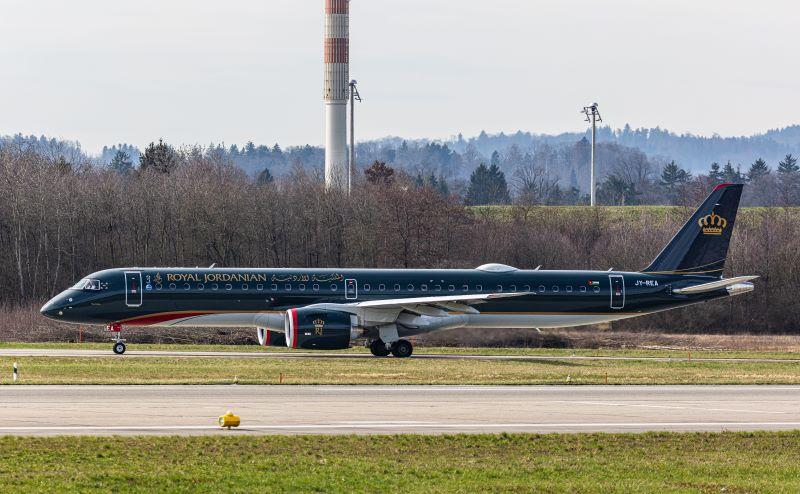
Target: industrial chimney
(337, 79)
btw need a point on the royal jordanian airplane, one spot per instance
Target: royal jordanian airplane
(329, 309)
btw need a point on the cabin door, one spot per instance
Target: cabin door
(617, 291)
(350, 289)
(133, 288)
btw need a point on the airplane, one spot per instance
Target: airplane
(330, 309)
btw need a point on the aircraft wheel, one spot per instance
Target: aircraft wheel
(402, 349)
(119, 348)
(378, 348)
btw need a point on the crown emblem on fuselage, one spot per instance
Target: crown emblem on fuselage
(319, 324)
(712, 224)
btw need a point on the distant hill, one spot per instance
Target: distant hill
(690, 151)
(456, 157)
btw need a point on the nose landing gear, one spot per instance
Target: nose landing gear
(119, 347)
(119, 344)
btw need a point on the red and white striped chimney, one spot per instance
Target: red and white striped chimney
(337, 79)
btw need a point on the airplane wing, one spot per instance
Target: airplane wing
(714, 285)
(437, 305)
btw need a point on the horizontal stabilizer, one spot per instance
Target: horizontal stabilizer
(714, 285)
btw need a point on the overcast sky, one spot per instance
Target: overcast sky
(195, 71)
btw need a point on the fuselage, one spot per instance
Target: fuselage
(221, 297)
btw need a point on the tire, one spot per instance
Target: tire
(119, 348)
(378, 348)
(402, 349)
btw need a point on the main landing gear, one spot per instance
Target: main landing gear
(119, 344)
(400, 348)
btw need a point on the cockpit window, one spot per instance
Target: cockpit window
(88, 284)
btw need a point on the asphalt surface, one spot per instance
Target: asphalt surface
(35, 352)
(192, 410)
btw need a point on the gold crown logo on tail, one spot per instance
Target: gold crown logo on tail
(712, 224)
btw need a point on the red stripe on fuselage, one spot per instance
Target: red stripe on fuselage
(159, 318)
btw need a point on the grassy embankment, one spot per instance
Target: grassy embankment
(727, 462)
(178, 370)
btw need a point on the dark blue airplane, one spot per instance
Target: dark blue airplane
(329, 309)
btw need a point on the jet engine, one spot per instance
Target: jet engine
(320, 329)
(267, 337)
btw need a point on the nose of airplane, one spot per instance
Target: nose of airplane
(53, 308)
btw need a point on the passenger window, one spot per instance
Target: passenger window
(466, 288)
(424, 288)
(201, 286)
(479, 288)
(316, 287)
(228, 286)
(526, 288)
(245, 286)
(499, 288)
(451, 288)
(158, 286)
(597, 289)
(555, 288)
(288, 287)
(172, 286)
(397, 288)
(438, 288)
(382, 287)
(513, 288)
(541, 288)
(186, 286)
(259, 287)
(583, 289)
(334, 287)
(215, 287)
(302, 287)
(410, 287)
(274, 288)
(569, 289)
(367, 287)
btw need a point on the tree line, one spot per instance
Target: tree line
(60, 220)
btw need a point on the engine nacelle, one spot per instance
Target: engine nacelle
(319, 329)
(270, 338)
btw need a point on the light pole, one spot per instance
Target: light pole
(352, 162)
(592, 115)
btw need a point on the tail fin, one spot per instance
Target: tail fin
(701, 246)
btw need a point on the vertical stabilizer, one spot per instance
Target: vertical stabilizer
(701, 246)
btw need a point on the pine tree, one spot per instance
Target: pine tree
(789, 180)
(788, 166)
(265, 177)
(672, 178)
(487, 185)
(714, 173)
(758, 170)
(731, 174)
(159, 157)
(121, 163)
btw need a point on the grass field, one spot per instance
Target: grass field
(727, 462)
(178, 370)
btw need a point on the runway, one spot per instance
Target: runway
(37, 352)
(193, 410)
